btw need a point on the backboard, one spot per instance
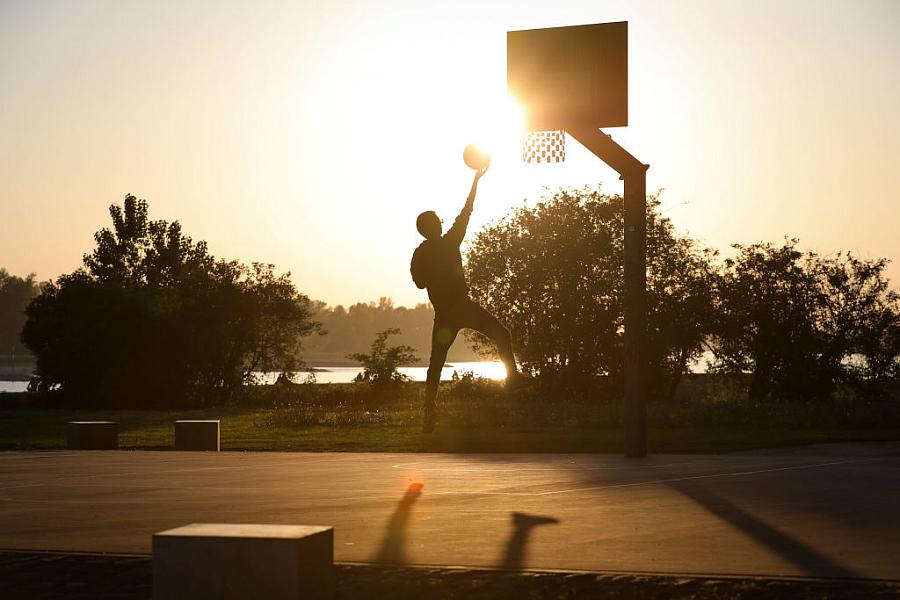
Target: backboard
(570, 76)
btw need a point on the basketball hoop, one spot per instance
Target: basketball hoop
(544, 147)
(576, 79)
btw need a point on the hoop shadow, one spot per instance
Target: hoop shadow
(514, 555)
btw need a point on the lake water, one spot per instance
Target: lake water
(13, 386)
(486, 369)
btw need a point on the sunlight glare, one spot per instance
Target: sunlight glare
(500, 129)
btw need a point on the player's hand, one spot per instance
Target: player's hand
(480, 173)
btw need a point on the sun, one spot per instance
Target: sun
(500, 128)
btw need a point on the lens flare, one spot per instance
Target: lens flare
(413, 482)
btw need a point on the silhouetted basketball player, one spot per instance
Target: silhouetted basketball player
(437, 265)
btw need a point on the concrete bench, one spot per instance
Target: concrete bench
(92, 435)
(197, 435)
(225, 561)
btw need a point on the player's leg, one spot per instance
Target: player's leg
(442, 335)
(480, 320)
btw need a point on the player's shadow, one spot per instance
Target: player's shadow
(393, 546)
(791, 549)
(514, 554)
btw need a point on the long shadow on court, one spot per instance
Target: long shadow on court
(835, 507)
(393, 546)
(516, 546)
(801, 555)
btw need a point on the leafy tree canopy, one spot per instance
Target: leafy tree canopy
(802, 323)
(797, 323)
(554, 272)
(152, 319)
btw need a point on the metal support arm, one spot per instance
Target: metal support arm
(633, 172)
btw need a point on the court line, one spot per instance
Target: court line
(372, 497)
(667, 480)
(159, 470)
(79, 478)
(556, 468)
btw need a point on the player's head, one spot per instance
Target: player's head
(429, 225)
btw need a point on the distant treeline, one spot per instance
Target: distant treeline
(15, 294)
(344, 330)
(352, 329)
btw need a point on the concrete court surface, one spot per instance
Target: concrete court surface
(821, 511)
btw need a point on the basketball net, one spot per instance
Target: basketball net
(544, 147)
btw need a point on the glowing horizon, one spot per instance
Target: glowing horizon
(310, 137)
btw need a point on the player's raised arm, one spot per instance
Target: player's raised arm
(470, 201)
(458, 231)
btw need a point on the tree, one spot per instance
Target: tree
(794, 320)
(261, 318)
(152, 319)
(861, 317)
(381, 362)
(879, 346)
(554, 273)
(15, 293)
(681, 281)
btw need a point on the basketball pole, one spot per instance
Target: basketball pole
(635, 311)
(634, 174)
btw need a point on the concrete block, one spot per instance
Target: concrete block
(197, 435)
(92, 435)
(225, 561)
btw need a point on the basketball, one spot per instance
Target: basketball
(476, 158)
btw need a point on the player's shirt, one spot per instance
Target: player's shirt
(437, 265)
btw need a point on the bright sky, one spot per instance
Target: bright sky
(311, 134)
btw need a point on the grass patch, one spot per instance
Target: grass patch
(475, 416)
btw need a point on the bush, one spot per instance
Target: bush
(381, 362)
